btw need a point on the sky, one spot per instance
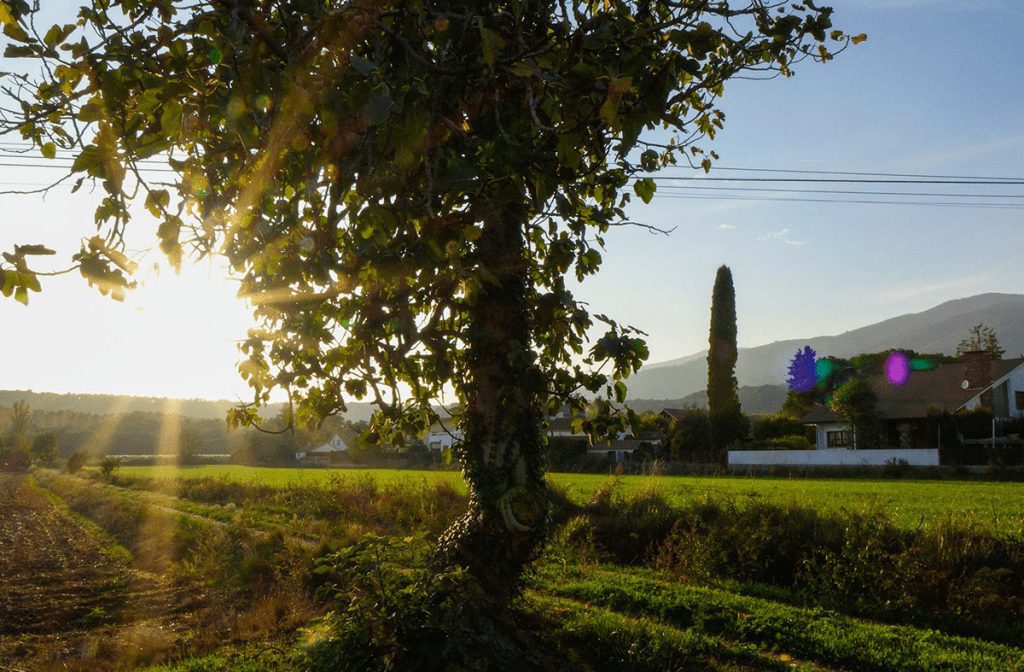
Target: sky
(936, 89)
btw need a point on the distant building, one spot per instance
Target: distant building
(330, 451)
(441, 437)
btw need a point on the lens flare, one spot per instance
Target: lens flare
(823, 369)
(897, 368)
(921, 364)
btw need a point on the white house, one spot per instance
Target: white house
(908, 411)
(441, 437)
(326, 452)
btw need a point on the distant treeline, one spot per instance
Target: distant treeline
(152, 433)
(119, 404)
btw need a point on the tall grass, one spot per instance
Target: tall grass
(955, 575)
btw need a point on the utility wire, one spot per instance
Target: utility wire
(991, 206)
(844, 191)
(658, 178)
(848, 172)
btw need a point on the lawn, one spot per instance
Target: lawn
(910, 503)
(619, 586)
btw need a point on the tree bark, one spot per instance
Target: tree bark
(502, 448)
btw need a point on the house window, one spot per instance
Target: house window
(1020, 400)
(838, 439)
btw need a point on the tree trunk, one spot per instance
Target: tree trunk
(502, 450)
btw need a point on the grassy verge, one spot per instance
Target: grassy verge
(910, 503)
(598, 638)
(811, 634)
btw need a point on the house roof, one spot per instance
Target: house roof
(335, 444)
(940, 389)
(560, 424)
(626, 445)
(674, 413)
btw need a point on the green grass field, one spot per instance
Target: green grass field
(911, 503)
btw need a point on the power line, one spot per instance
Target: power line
(843, 191)
(990, 206)
(658, 178)
(848, 172)
(66, 166)
(924, 176)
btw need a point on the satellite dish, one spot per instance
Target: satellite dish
(964, 385)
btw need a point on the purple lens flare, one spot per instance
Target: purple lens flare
(897, 368)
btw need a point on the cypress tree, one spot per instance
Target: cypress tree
(727, 422)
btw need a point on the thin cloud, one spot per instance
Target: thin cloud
(782, 235)
(727, 227)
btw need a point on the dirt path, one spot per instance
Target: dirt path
(53, 573)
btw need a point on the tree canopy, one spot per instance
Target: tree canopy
(982, 338)
(403, 186)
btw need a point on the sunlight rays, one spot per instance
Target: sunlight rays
(156, 545)
(100, 439)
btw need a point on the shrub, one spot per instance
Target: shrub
(792, 442)
(775, 426)
(109, 465)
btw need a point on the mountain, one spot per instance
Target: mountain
(753, 399)
(938, 329)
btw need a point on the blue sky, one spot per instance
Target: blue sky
(937, 88)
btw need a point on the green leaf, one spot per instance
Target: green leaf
(30, 281)
(49, 150)
(857, 39)
(170, 119)
(620, 391)
(87, 161)
(649, 160)
(57, 34)
(490, 44)
(21, 295)
(91, 111)
(33, 250)
(9, 281)
(645, 188)
(14, 51)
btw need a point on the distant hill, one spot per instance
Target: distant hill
(113, 404)
(754, 400)
(938, 329)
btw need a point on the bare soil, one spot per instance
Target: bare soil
(62, 591)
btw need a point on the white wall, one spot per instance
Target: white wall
(918, 457)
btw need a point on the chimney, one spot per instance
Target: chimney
(978, 368)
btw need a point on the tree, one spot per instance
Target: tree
(689, 437)
(802, 374)
(403, 188)
(44, 449)
(724, 413)
(981, 338)
(855, 402)
(189, 445)
(20, 422)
